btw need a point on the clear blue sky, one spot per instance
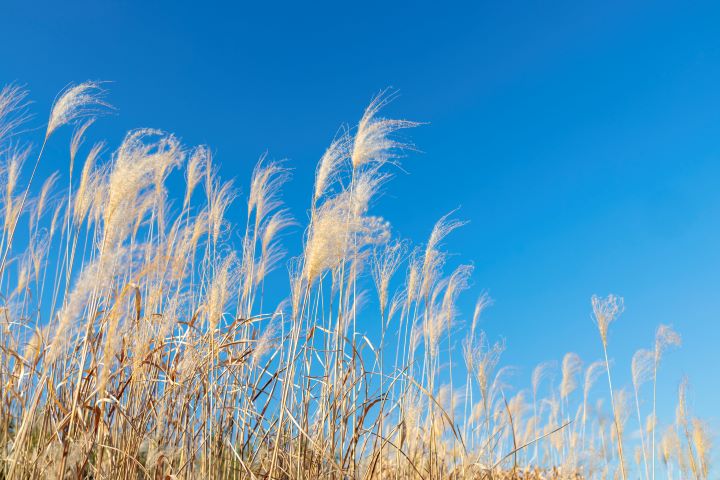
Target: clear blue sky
(582, 142)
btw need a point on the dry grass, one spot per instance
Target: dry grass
(139, 342)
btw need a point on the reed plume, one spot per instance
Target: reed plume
(606, 311)
(76, 102)
(143, 334)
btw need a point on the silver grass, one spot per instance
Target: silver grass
(571, 366)
(13, 114)
(76, 102)
(373, 142)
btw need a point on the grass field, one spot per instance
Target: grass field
(136, 342)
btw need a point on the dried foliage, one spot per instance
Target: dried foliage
(139, 341)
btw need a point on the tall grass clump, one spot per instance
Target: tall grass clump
(139, 340)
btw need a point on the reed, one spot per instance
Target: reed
(139, 340)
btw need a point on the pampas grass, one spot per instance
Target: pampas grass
(139, 340)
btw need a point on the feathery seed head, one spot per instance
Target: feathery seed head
(642, 367)
(12, 110)
(459, 280)
(272, 227)
(539, 373)
(481, 304)
(669, 445)
(702, 440)
(571, 366)
(329, 165)
(194, 172)
(681, 408)
(219, 200)
(606, 310)
(591, 375)
(12, 174)
(44, 194)
(138, 170)
(336, 231)
(97, 277)
(267, 179)
(434, 258)
(271, 252)
(384, 264)
(75, 102)
(412, 281)
(77, 140)
(481, 359)
(665, 337)
(90, 180)
(220, 291)
(373, 142)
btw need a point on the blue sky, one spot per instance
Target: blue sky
(581, 142)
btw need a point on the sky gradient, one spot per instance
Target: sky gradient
(581, 142)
